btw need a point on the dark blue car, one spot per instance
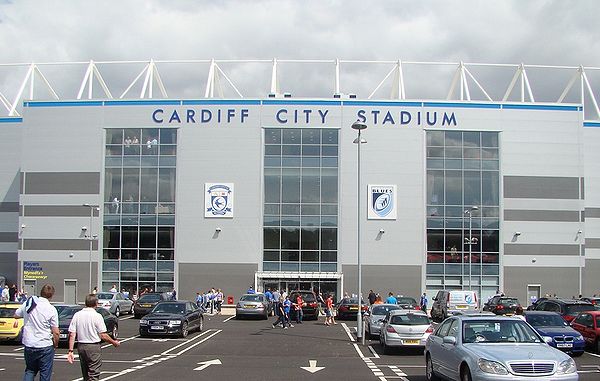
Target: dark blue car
(553, 325)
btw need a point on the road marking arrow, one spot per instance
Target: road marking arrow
(206, 364)
(312, 366)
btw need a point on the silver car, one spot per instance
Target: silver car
(404, 328)
(375, 316)
(253, 305)
(493, 348)
(115, 302)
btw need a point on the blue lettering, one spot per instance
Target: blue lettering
(323, 115)
(449, 119)
(243, 114)
(388, 118)
(190, 116)
(307, 113)
(361, 116)
(405, 117)
(155, 115)
(430, 122)
(230, 114)
(174, 116)
(278, 116)
(219, 116)
(295, 116)
(375, 113)
(206, 116)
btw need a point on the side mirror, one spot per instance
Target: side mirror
(449, 340)
(434, 299)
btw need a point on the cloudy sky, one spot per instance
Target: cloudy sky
(532, 32)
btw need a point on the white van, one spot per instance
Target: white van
(448, 302)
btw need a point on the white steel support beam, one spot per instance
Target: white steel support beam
(29, 78)
(336, 84)
(88, 79)
(210, 81)
(382, 82)
(274, 78)
(487, 96)
(398, 90)
(6, 104)
(584, 79)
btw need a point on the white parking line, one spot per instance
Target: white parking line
(348, 332)
(19, 349)
(592, 354)
(122, 341)
(127, 317)
(373, 351)
(229, 318)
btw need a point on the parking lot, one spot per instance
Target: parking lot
(251, 350)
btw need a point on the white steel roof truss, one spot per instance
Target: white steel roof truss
(478, 84)
(133, 83)
(90, 73)
(398, 90)
(31, 72)
(6, 104)
(230, 83)
(274, 78)
(590, 91)
(210, 81)
(382, 82)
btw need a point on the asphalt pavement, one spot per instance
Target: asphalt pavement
(229, 349)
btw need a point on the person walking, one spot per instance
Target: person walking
(372, 297)
(280, 313)
(390, 299)
(423, 302)
(219, 300)
(287, 306)
(40, 334)
(298, 308)
(329, 313)
(89, 328)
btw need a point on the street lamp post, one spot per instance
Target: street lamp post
(91, 238)
(359, 126)
(471, 240)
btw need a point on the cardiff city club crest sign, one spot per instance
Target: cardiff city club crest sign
(218, 200)
(382, 202)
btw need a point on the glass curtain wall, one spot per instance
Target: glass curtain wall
(463, 173)
(300, 200)
(139, 209)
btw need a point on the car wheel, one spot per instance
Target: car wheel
(131, 310)
(184, 329)
(384, 346)
(136, 316)
(115, 332)
(465, 373)
(117, 312)
(429, 372)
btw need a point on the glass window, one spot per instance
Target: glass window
(273, 136)
(114, 136)
(290, 238)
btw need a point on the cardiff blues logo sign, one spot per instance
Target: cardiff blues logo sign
(218, 200)
(382, 202)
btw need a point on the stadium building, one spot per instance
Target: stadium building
(190, 192)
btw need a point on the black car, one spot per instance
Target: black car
(66, 315)
(147, 302)
(502, 305)
(567, 308)
(310, 308)
(534, 304)
(407, 303)
(172, 318)
(347, 308)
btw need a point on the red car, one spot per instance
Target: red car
(588, 324)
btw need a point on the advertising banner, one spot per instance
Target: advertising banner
(382, 202)
(218, 200)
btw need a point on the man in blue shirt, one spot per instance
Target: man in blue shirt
(251, 290)
(390, 299)
(287, 305)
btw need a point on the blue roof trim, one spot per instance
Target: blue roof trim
(541, 107)
(591, 124)
(382, 103)
(462, 105)
(11, 120)
(221, 102)
(296, 102)
(143, 102)
(62, 104)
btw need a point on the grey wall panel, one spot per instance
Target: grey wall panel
(9, 237)
(561, 281)
(9, 207)
(399, 279)
(540, 249)
(592, 243)
(542, 215)
(57, 272)
(62, 183)
(591, 283)
(582, 187)
(592, 212)
(233, 279)
(57, 211)
(8, 266)
(541, 187)
(58, 244)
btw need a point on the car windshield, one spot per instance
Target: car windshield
(7, 312)
(546, 320)
(170, 308)
(382, 310)
(498, 331)
(410, 319)
(251, 298)
(104, 295)
(350, 301)
(68, 312)
(149, 298)
(574, 309)
(402, 300)
(305, 297)
(508, 301)
(597, 320)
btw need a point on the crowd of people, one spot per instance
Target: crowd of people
(12, 294)
(210, 301)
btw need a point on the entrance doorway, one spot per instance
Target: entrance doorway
(325, 287)
(70, 291)
(29, 286)
(534, 292)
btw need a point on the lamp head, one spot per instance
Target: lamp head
(517, 233)
(84, 228)
(217, 230)
(381, 231)
(358, 125)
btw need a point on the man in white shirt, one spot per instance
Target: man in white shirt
(40, 334)
(88, 325)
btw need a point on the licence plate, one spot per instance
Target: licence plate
(1, 323)
(564, 345)
(248, 306)
(353, 308)
(411, 342)
(462, 307)
(158, 327)
(62, 336)
(145, 305)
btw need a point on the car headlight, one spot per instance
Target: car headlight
(492, 367)
(143, 322)
(566, 367)
(579, 338)
(174, 322)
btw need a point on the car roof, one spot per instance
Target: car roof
(570, 301)
(384, 305)
(540, 313)
(485, 317)
(406, 312)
